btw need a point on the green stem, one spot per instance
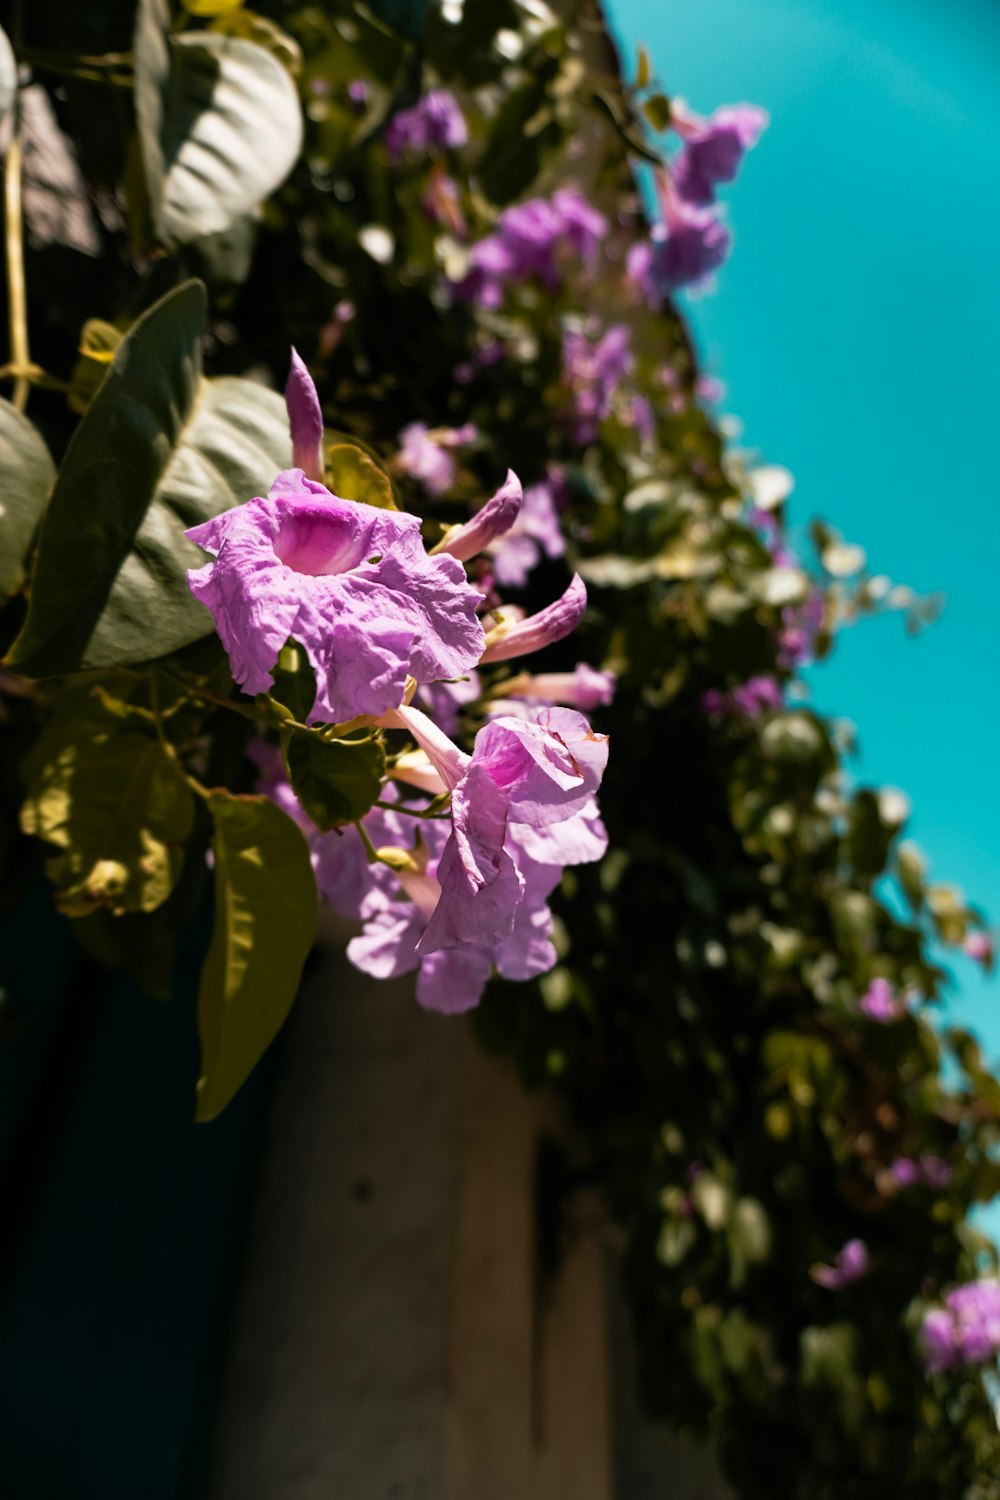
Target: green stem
(412, 812)
(373, 858)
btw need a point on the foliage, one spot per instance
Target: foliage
(744, 1114)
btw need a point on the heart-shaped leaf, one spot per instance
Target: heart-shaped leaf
(26, 477)
(159, 449)
(337, 781)
(219, 125)
(265, 921)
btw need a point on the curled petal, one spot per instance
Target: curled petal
(452, 981)
(305, 418)
(480, 884)
(494, 520)
(550, 624)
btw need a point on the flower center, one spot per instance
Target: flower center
(322, 540)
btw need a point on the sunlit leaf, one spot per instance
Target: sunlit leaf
(26, 477)
(219, 124)
(118, 807)
(352, 475)
(265, 921)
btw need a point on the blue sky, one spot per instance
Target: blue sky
(857, 330)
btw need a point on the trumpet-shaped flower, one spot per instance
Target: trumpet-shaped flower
(351, 583)
(714, 148)
(553, 623)
(524, 780)
(682, 251)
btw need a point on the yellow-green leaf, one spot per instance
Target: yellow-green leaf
(353, 475)
(98, 342)
(211, 7)
(116, 805)
(265, 921)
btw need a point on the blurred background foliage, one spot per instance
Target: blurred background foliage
(740, 1111)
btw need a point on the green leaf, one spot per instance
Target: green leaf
(643, 69)
(116, 804)
(26, 477)
(219, 125)
(294, 681)
(657, 111)
(158, 450)
(354, 476)
(265, 921)
(336, 781)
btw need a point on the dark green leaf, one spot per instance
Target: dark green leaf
(336, 781)
(158, 450)
(265, 921)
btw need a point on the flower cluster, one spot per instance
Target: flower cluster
(690, 242)
(381, 619)
(966, 1330)
(435, 122)
(532, 239)
(749, 700)
(594, 370)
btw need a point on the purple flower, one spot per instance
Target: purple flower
(352, 584)
(474, 893)
(585, 688)
(559, 619)
(750, 699)
(906, 1171)
(714, 148)
(880, 1004)
(425, 453)
(593, 371)
(530, 783)
(435, 122)
(851, 1263)
(966, 1330)
(683, 251)
(536, 530)
(305, 417)
(931, 1171)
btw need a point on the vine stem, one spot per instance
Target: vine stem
(17, 298)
